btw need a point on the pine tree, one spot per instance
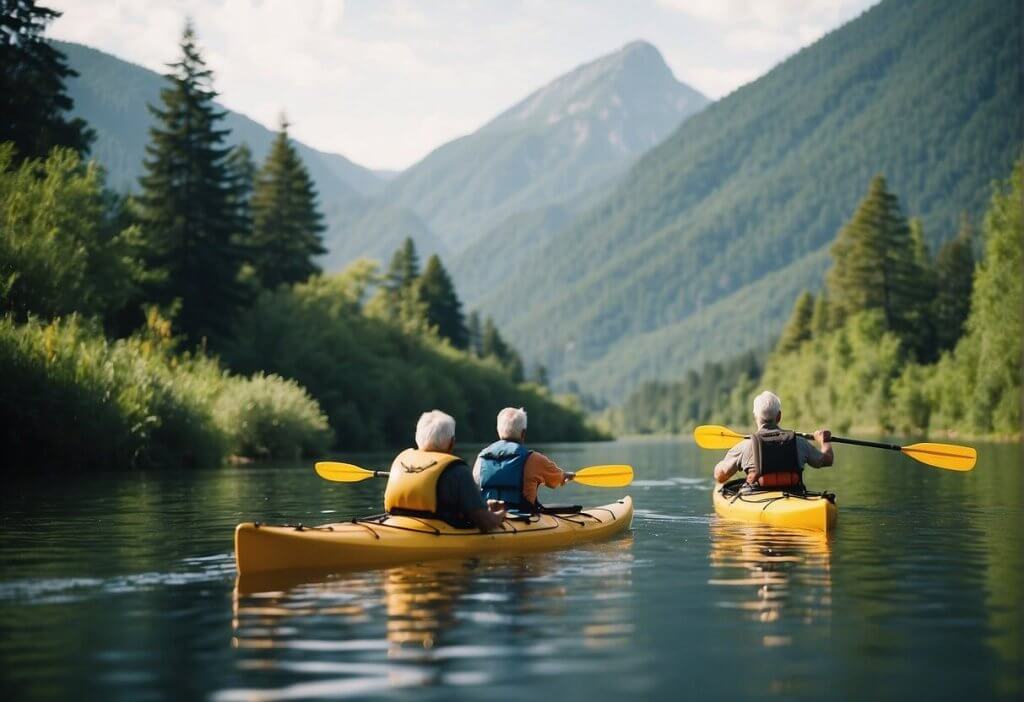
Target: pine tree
(798, 329)
(33, 101)
(539, 374)
(404, 268)
(492, 344)
(444, 311)
(287, 224)
(954, 271)
(188, 202)
(242, 172)
(874, 266)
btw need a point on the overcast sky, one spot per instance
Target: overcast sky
(385, 81)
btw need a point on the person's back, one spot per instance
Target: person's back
(508, 471)
(431, 481)
(773, 457)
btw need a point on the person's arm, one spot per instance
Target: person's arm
(732, 462)
(545, 471)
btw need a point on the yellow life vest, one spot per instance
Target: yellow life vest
(412, 484)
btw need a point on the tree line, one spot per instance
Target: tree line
(155, 305)
(899, 340)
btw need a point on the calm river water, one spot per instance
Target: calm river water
(122, 587)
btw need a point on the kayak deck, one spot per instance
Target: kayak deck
(388, 540)
(816, 511)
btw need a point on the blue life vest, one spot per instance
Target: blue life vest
(501, 473)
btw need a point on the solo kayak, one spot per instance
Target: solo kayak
(388, 540)
(796, 510)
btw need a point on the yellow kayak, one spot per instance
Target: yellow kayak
(384, 540)
(812, 510)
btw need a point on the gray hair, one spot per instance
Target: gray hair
(511, 423)
(767, 407)
(434, 431)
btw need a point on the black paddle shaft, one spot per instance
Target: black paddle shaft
(856, 442)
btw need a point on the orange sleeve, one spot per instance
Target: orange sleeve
(540, 470)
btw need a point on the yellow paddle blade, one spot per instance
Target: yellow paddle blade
(712, 436)
(948, 456)
(605, 476)
(342, 472)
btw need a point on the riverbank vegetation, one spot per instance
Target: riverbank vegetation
(190, 320)
(898, 341)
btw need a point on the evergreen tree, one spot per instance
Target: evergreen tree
(242, 172)
(954, 271)
(874, 267)
(475, 333)
(33, 101)
(443, 308)
(188, 202)
(404, 268)
(798, 329)
(286, 221)
(539, 374)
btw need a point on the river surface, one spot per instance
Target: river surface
(122, 587)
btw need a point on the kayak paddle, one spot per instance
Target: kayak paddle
(594, 476)
(948, 456)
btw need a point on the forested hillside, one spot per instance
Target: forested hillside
(702, 249)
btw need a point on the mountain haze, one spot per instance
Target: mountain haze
(570, 136)
(701, 249)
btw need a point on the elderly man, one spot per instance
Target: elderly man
(772, 457)
(508, 471)
(430, 481)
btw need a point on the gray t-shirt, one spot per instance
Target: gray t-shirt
(741, 456)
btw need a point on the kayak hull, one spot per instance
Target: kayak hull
(376, 542)
(814, 512)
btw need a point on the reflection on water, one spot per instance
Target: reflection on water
(122, 587)
(771, 574)
(444, 623)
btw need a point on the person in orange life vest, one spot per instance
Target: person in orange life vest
(772, 457)
(508, 471)
(430, 481)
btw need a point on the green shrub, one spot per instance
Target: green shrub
(268, 416)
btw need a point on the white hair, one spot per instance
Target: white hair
(434, 431)
(767, 407)
(511, 423)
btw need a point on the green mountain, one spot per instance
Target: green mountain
(700, 251)
(568, 137)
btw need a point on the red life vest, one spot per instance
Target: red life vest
(776, 459)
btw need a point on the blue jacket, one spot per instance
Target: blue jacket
(501, 473)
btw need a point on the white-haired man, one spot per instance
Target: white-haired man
(773, 457)
(431, 481)
(508, 471)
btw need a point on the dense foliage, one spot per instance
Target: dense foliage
(71, 399)
(372, 376)
(704, 246)
(857, 365)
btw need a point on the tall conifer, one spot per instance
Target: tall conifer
(444, 310)
(875, 267)
(188, 203)
(33, 101)
(287, 224)
(954, 270)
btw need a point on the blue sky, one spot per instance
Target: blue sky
(386, 81)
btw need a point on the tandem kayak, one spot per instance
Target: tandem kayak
(797, 510)
(389, 540)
